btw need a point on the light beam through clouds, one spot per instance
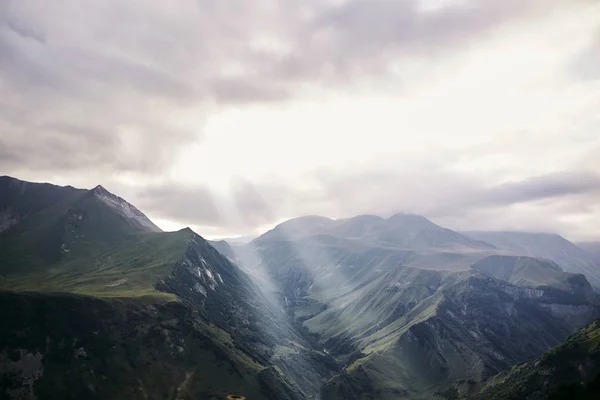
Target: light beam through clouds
(322, 107)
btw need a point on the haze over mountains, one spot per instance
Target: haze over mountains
(591, 247)
(99, 303)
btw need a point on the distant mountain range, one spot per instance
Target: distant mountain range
(402, 231)
(98, 302)
(569, 256)
(427, 305)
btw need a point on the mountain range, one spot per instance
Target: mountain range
(98, 302)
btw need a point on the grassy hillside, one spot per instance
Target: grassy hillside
(468, 329)
(561, 373)
(132, 268)
(19, 198)
(78, 229)
(83, 245)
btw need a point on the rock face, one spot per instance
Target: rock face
(473, 329)
(125, 209)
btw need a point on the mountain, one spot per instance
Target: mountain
(98, 303)
(84, 224)
(525, 271)
(314, 250)
(548, 246)
(238, 239)
(224, 248)
(570, 370)
(414, 331)
(409, 307)
(590, 247)
(19, 198)
(306, 250)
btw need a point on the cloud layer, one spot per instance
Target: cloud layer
(231, 116)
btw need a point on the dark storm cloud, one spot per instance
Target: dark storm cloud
(80, 80)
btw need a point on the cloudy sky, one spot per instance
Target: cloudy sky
(230, 116)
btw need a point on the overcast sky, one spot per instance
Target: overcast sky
(229, 116)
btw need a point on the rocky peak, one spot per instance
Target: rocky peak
(124, 208)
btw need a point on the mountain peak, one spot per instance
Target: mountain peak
(124, 208)
(101, 191)
(409, 217)
(99, 188)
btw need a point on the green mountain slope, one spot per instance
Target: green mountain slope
(80, 227)
(407, 323)
(93, 294)
(20, 198)
(561, 373)
(467, 328)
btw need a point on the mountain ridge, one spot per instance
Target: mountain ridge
(359, 308)
(397, 304)
(545, 245)
(108, 268)
(400, 230)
